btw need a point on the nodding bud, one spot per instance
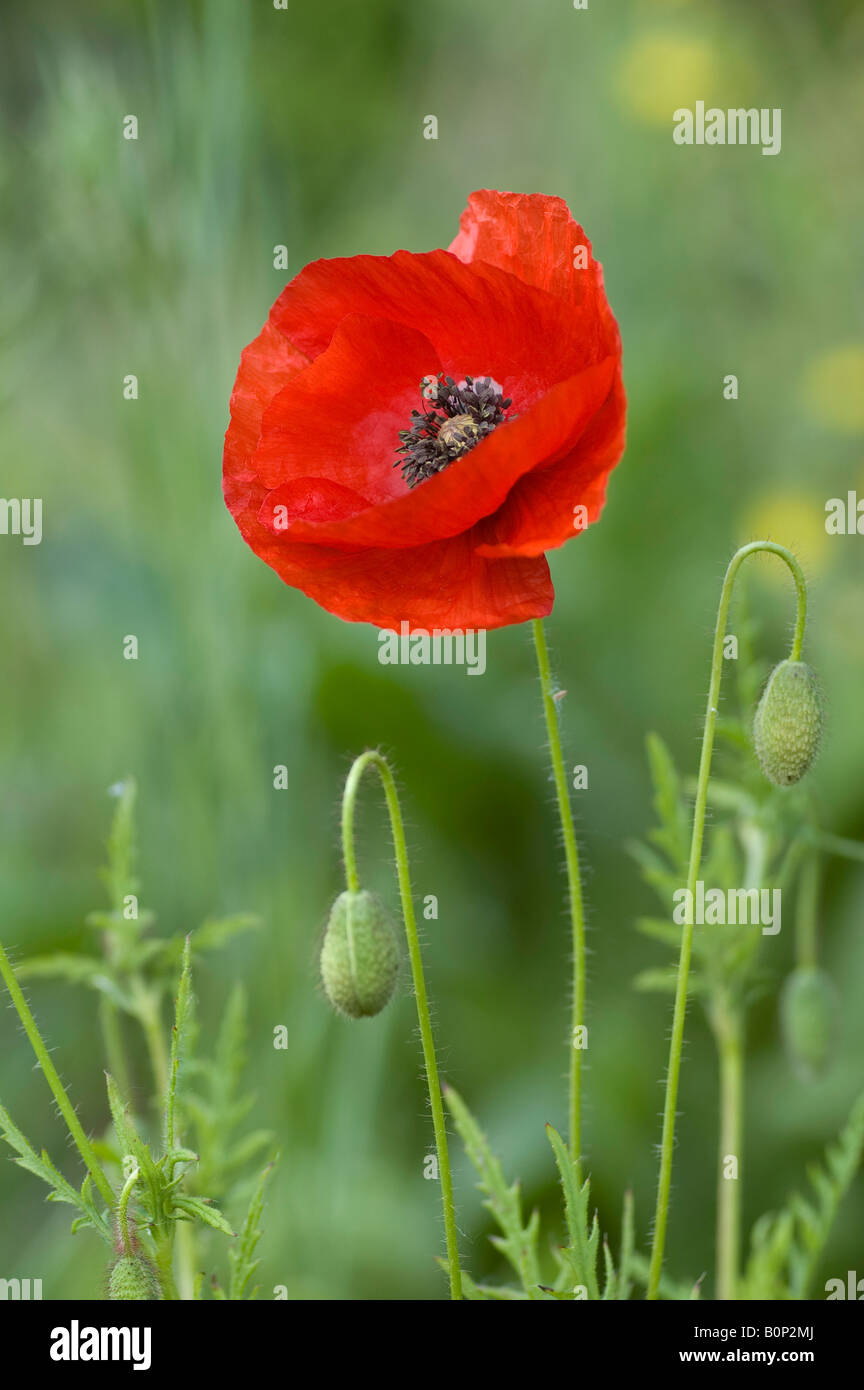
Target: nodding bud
(360, 955)
(788, 723)
(808, 1004)
(133, 1278)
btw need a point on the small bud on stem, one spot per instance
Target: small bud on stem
(788, 723)
(360, 956)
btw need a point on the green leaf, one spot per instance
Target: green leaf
(628, 1244)
(118, 876)
(217, 931)
(61, 1190)
(674, 833)
(786, 1246)
(241, 1257)
(178, 1037)
(659, 929)
(198, 1208)
(60, 965)
(518, 1241)
(580, 1256)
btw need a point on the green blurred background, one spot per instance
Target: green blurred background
(304, 127)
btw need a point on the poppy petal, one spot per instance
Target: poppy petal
(537, 239)
(475, 485)
(481, 320)
(540, 512)
(265, 365)
(340, 418)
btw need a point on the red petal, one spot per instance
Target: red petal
(340, 418)
(539, 512)
(265, 366)
(475, 485)
(481, 320)
(447, 584)
(534, 237)
(309, 499)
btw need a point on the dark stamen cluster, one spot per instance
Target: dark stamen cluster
(456, 418)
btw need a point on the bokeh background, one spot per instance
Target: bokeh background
(304, 127)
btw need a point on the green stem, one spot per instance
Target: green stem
(123, 1209)
(574, 884)
(382, 767)
(164, 1258)
(115, 1052)
(148, 1015)
(667, 1142)
(58, 1090)
(728, 1032)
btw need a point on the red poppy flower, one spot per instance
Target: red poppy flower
(410, 433)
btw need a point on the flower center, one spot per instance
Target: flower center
(455, 419)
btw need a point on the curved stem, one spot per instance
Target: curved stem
(382, 767)
(667, 1143)
(574, 886)
(123, 1209)
(58, 1090)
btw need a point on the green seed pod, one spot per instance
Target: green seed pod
(788, 723)
(134, 1278)
(808, 1005)
(360, 955)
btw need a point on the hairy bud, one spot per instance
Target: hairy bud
(134, 1278)
(360, 955)
(788, 723)
(808, 1005)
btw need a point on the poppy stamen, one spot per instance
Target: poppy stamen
(456, 418)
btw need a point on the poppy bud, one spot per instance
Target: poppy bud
(133, 1278)
(360, 955)
(788, 723)
(807, 1007)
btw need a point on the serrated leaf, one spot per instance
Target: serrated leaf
(242, 1254)
(217, 931)
(199, 1209)
(583, 1235)
(59, 965)
(786, 1246)
(518, 1241)
(674, 833)
(61, 1190)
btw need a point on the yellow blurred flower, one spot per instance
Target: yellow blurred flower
(793, 519)
(834, 388)
(660, 72)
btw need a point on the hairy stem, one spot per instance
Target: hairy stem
(729, 1034)
(382, 767)
(58, 1090)
(115, 1052)
(667, 1142)
(574, 887)
(123, 1210)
